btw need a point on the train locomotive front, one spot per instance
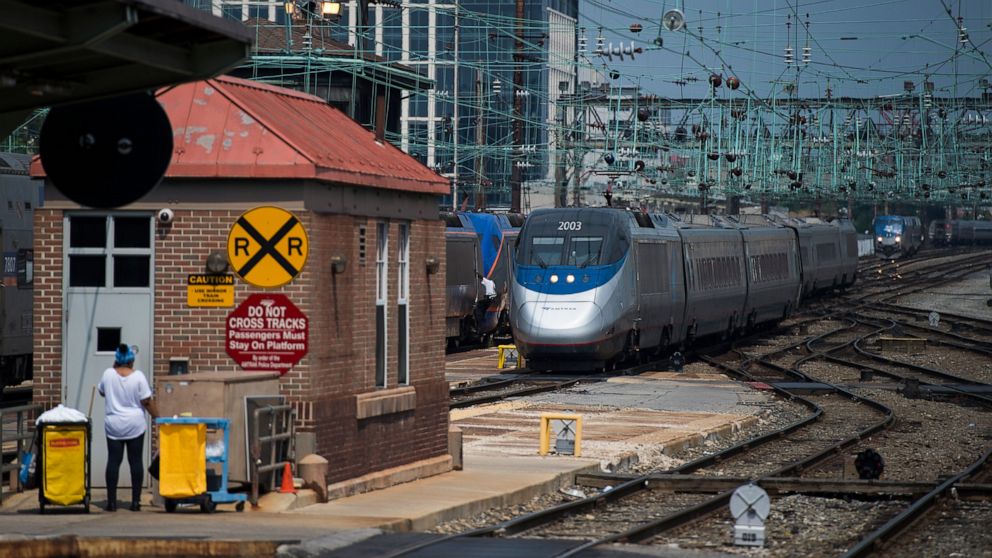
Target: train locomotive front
(573, 289)
(896, 235)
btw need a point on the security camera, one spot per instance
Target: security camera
(165, 216)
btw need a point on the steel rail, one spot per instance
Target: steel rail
(953, 339)
(652, 528)
(482, 386)
(869, 489)
(916, 367)
(892, 528)
(955, 319)
(856, 345)
(492, 397)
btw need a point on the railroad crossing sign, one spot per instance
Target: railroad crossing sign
(267, 246)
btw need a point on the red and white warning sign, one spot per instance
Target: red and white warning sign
(267, 332)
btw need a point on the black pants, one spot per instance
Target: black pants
(481, 307)
(115, 455)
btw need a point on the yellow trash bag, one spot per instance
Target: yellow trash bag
(65, 464)
(182, 460)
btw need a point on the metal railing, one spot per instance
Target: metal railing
(866, 245)
(281, 427)
(21, 434)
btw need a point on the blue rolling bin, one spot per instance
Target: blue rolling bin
(208, 500)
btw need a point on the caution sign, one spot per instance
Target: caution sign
(267, 332)
(204, 290)
(267, 246)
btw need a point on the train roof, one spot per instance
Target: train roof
(470, 221)
(14, 163)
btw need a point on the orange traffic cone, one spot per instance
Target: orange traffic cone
(287, 481)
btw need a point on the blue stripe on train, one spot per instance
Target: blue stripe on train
(538, 279)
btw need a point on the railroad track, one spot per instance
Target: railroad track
(684, 504)
(489, 392)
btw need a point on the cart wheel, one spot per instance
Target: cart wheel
(240, 506)
(208, 505)
(170, 505)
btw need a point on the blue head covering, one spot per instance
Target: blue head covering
(124, 355)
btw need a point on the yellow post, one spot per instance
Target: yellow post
(546, 419)
(510, 350)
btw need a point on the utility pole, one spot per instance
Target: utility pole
(480, 194)
(561, 193)
(518, 123)
(454, 121)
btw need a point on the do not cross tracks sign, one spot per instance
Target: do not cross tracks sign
(267, 246)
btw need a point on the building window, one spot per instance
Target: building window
(402, 302)
(381, 292)
(109, 251)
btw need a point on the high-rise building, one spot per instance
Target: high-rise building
(475, 125)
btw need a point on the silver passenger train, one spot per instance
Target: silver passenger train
(595, 286)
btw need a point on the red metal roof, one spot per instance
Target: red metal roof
(228, 127)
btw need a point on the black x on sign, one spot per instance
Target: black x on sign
(267, 246)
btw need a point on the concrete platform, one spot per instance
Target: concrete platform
(626, 419)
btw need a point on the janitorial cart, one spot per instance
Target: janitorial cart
(63, 469)
(183, 463)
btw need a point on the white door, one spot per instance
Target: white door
(107, 282)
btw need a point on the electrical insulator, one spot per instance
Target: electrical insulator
(600, 42)
(497, 87)
(963, 35)
(582, 43)
(806, 54)
(788, 56)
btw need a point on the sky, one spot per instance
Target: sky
(860, 48)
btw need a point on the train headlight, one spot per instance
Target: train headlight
(553, 278)
(569, 278)
(898, 239)
(879, 239)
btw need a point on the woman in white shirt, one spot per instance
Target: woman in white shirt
(127, 396)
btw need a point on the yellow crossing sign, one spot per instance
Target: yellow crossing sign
(267, 246)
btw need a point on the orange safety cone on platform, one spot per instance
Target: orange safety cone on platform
(287, 481)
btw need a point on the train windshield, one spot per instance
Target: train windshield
(578, 239)
(888, 225)
(546, 250)
(584, 250)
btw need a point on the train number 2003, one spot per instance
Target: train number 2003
(570, 225)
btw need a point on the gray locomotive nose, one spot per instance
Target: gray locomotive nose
(560, 323)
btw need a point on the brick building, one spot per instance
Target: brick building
(372, 285)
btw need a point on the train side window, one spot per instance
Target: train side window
(25, 268)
